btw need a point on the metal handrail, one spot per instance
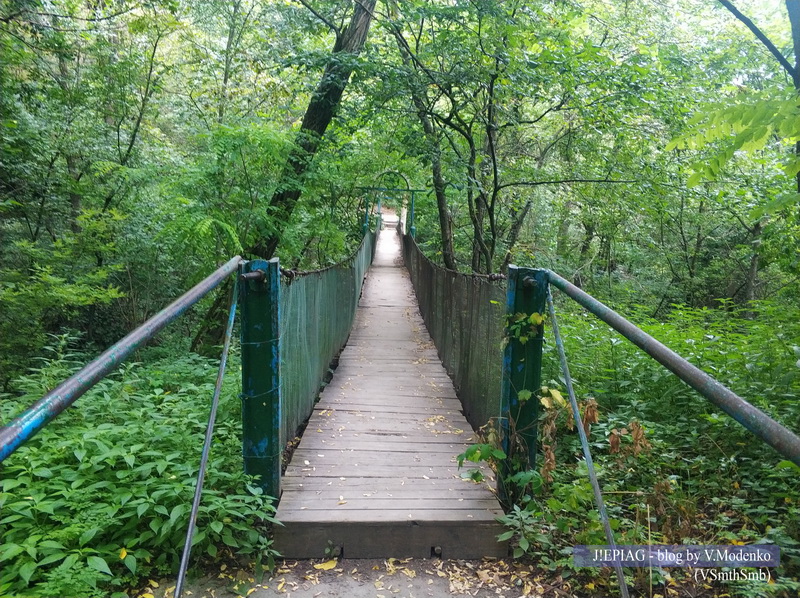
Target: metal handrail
(65, 394)
(759, 423)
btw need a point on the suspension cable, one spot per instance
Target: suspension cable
(587, 455)
(198, 490)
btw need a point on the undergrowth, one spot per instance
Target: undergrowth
(99, 499)
(673, 468)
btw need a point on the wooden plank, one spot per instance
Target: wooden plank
(384, 485)
(354, 445)
(357, 502)
(453, 492)
(364, 470)
(389, 406)
(470, 540)
(376, 471)
(401, 516)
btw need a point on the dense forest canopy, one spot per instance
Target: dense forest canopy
(648, 151)
(143, 142)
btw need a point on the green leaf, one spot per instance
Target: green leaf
(50, 544)
(10, 551)
(9, 484)
(216, 526)
(87, 536)
(52, 558)
(694, 180)
(781, 202)
(26, 571)
(98, 564)
(786, 464)
(505, 536)
(524, 395)
(176, 513)
(130, 563)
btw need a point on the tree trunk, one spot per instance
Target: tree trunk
(445, 225)
(319, 113)
(513, 234)
(562, 238)
(752, 271)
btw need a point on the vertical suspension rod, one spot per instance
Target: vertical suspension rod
(587, 455)
(198, 489)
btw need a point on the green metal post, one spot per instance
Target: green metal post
(412, 230)
(261, 396)
(365, 226)
(522, 362)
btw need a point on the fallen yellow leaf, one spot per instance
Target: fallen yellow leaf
(326, 566)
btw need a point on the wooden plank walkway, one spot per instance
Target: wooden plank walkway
(375, 473)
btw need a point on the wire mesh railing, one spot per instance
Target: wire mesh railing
(309, 316)
(317, 311)
(464, 316)
(469, 317)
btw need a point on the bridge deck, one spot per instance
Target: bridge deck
(375, 473)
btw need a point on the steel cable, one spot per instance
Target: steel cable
(187, 546)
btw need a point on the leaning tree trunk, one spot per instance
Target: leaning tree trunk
(319, 113)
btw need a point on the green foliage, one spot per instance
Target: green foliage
(749, 126)
(673, 469)
(49, 287)
(100, 498)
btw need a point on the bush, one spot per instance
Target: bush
(100, 498)
(672, 467)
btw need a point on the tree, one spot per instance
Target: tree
(319, 113)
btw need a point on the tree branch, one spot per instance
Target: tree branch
(761, 36)
(537, 183)
(330, 25)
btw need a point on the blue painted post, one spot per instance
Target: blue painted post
(522, 364)
(261, 388)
